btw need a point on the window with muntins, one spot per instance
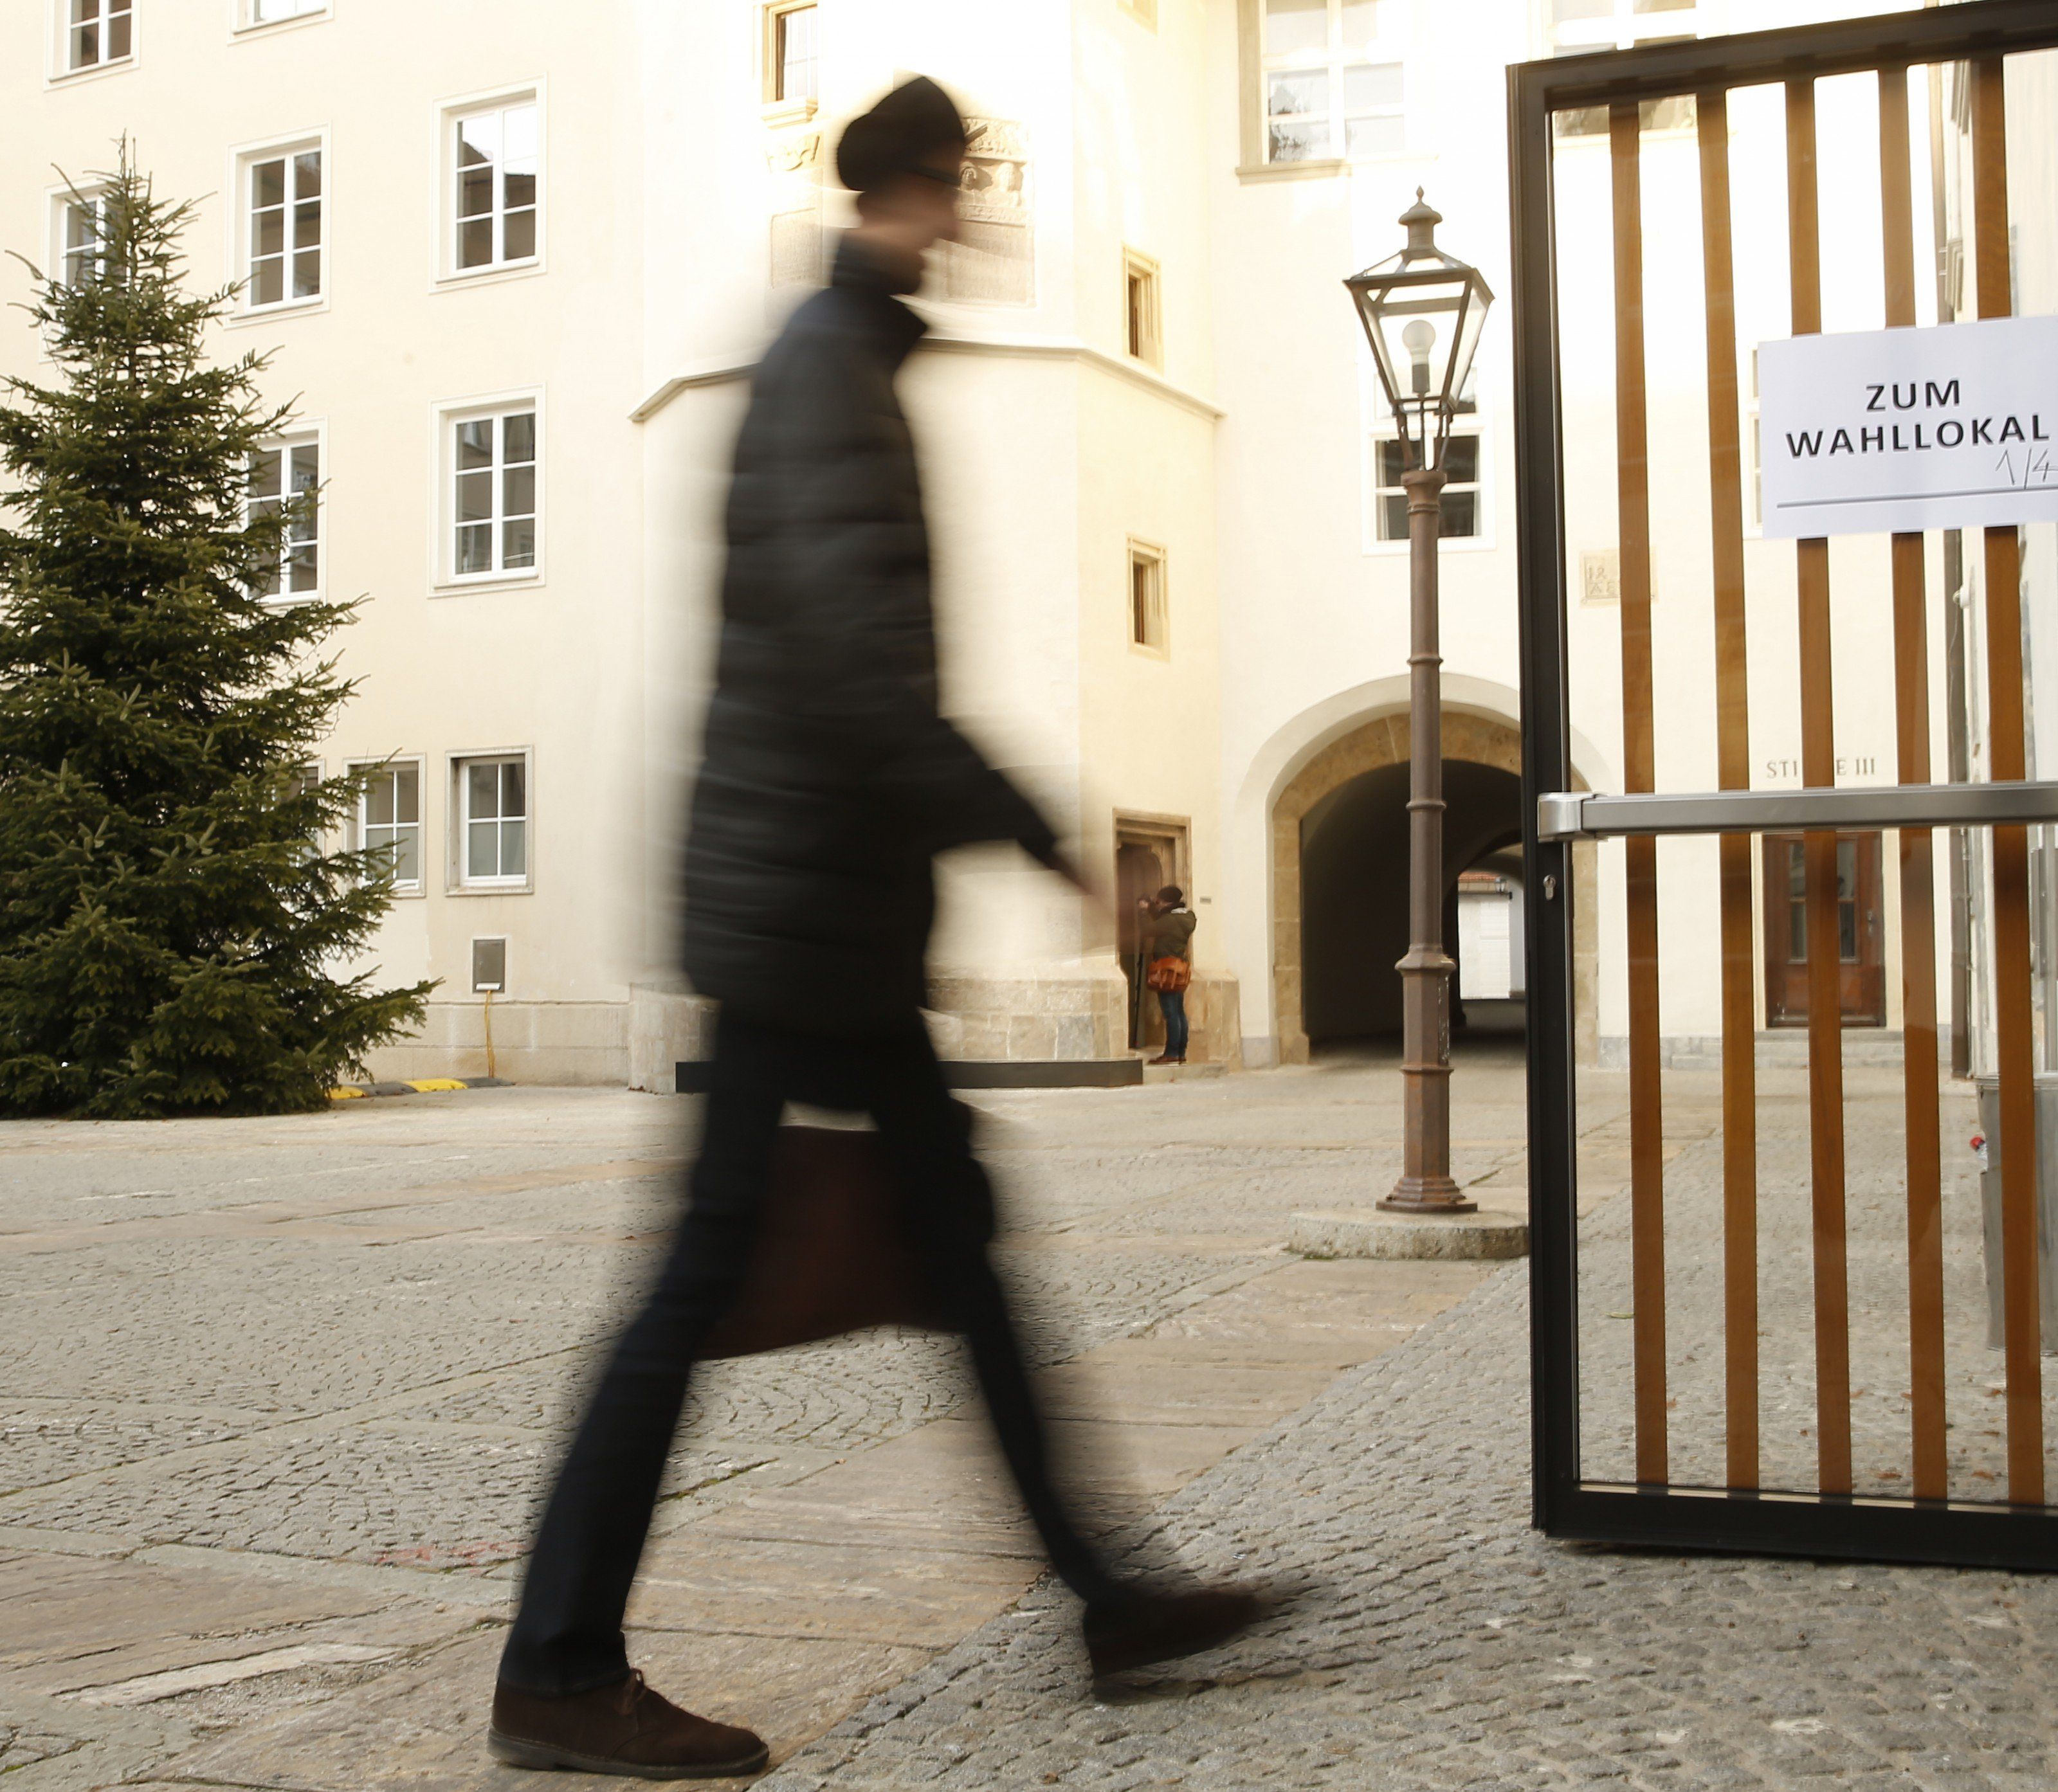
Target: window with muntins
(493, 508)
(287, 473)
(793, 57)
(497, 161)
(277, 12)
(1140, 291)
(389, 822)
(1579, 27)
(493, 799)
(97, 33)
(1463, 502)
(1334, 85)
(285, 193)
(85, 227)
(1148, 623)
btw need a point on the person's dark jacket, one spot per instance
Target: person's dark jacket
(1169, 934)
(829, 778)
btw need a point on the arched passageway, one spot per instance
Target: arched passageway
(1354, 883)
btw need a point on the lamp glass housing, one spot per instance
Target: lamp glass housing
(1423, 311)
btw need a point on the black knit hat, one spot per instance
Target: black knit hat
(905, 129)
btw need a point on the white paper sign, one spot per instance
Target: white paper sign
(1948, 427)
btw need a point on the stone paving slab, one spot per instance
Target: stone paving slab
(1437, 1642)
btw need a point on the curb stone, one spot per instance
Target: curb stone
(421, 1085)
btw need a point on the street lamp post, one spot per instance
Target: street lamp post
(1422, 311)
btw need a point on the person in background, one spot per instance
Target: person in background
(1166, 926)
(830, 780)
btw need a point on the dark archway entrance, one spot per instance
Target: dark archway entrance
(1354, 887)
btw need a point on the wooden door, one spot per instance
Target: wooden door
(1861, 931)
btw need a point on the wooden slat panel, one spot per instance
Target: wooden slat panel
(1818, 766)
(1646, 1131)
(1740, 1367)
(2012, 1020)
(1918, 873)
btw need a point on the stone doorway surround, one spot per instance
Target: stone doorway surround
(1380, 739)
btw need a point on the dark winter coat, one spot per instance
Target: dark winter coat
(829, 778)
(1169, 934)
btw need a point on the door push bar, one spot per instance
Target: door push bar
(1589, 815)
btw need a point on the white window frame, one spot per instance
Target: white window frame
(1143, 339)
(448, 416)
(306, 434)
(244, 21)
(451, 115)
(776, 108)
(243, 159)
(458, 786)
(1477, 422)
(360, 825)
(1148, 554)
(1390, 50)
(62, 201)
(60, 65)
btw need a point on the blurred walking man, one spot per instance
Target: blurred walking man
(829, 782)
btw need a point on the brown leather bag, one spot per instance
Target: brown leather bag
(833, 1253)
(1169, 974)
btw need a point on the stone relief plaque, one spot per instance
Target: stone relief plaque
(797, 246)
(994, 261)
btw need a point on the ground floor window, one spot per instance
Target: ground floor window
(493, 809)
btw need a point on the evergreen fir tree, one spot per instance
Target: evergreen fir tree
(171, 923)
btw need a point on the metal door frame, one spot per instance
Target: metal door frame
(1764, 1522)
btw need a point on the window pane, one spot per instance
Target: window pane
(474, 497)
(379, 798)
(519, 443)
(1461, 460)
(518, 144)
(1294, 25)
(1362, 21)
(475, 243)
(86, 46)
(482, 784)
(82, 10)
(1368, 86)
(304, 572)
(518, 237)
(265, 468)
(407, 855)
(481, 856)
(474, 192)
(306, 174)
(307, 274)
(307, 223)
(518, 492)
(1299, 142)
(117, 36)
(268, 232)
(475, 443)
(514, 780)
(518, 543)
(795, 55)
(1460, 513)
(1392, 461)
(1382, 136)
(478, 139)
(1847, 871)
(1393, 517)
(267, 184)
(408, 793)
(1292, 95)
(475, 548)
(514, 849)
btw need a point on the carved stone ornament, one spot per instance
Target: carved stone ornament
(792, 153)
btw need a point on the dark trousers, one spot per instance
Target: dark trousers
(567, 1634)
(1172, 1004)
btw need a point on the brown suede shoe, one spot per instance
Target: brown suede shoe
(1163, 1626)
(625, 1729)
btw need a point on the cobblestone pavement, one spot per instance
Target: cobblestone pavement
(287, 1388)
(277, 1398)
